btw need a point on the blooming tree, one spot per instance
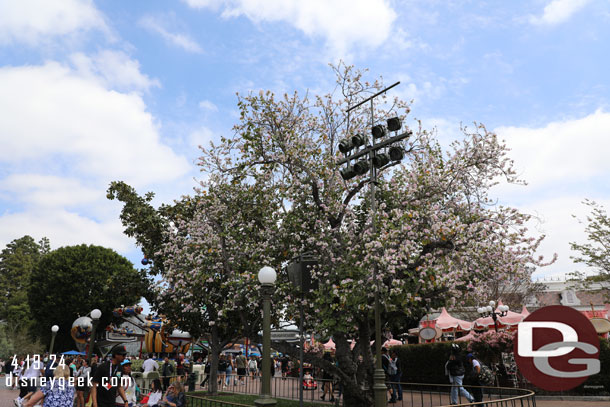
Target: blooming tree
(439, 237)
(207, 248)
(274, 192)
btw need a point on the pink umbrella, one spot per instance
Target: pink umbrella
(330, 345)
(465, 338)
(524, 312)
(448, 323)
(391, 342)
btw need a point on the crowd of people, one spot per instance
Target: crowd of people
(57, 381)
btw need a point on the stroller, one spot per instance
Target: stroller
(308, 381)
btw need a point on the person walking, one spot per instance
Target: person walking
(82, 378)
(475, 369)
(395, 379)
(327, 380)
(240, 364)
(454, 368)
(106, 381)
(128, 384)
(166, 372)
(390, 369)
(229, 370)
(150, 364)
(253, 367)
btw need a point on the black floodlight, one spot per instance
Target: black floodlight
(361, 167)
(358, 140)
(380, 160)
(396, 153)
(348, 173)
(394, 124)
(345, 145)
(379, 131)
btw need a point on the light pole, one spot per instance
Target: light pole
(373, 160)
(266, 276)
(95, 317)
(299, 274)
(54, 330)
(490, 311)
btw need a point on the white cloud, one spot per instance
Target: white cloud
(114, 69)
(180, 40)
(564, 163)
(48, 191)
(61, 116)
(566, 151)
(341, 22)
(558, 11)
(65, 135)
(207, 105)
(31, 21)
(63, 228)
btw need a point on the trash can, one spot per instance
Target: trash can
(192, 380)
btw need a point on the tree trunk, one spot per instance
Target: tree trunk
(215, 349)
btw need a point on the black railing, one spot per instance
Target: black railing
(413, 394)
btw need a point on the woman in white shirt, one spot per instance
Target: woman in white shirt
(154, 397)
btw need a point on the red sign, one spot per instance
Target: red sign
(557, 348)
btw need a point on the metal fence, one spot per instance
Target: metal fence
(407, 394)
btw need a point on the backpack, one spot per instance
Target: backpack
(456, 367)
(486, 376)
(392, 368)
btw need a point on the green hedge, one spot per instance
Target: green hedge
(425, 363)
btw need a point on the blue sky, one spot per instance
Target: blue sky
(96, 91)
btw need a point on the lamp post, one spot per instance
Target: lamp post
(490, 311)
(266, 276)
(54, 330)
(299, 274)
(95, 317)
(374, 160)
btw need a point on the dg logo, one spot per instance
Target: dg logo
(557, 348)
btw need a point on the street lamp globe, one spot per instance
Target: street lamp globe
(492, 304)
(54, 329)
(96, 314)
(481, 310)
(489, 309)
(267, 275)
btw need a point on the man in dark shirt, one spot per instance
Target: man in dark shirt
(104, 391)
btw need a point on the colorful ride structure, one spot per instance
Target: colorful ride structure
(155, 332)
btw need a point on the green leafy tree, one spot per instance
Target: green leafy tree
(17, 261)
(71, 281)
(595, 253)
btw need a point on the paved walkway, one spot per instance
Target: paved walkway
(7, 396)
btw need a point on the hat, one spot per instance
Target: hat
(119, 350)
(126, 362)
(470, 356)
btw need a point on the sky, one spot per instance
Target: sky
(97, 91)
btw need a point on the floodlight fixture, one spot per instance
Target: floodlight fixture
(345, 145)
(347, 173)
(379, 160)
(358, 140)
(379, 131)
(396, 153)
(362, 167)
(394, 124)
